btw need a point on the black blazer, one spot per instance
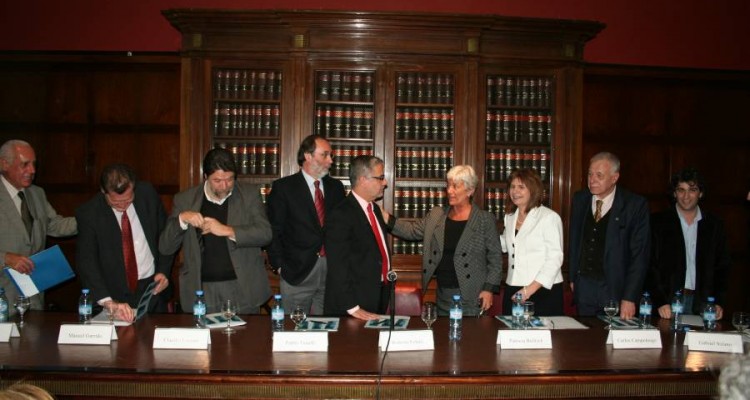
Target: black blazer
(99, 257)
(668, 263)
(354, 261)
(626, 248)
(297, 234)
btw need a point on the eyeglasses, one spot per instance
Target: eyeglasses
(380, 178)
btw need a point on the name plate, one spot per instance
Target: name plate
(182, 338)
(300, 341)
(407, 340)
(634, 339)
(7, 331)
(86, 334)
(524, 339)
(714, 341)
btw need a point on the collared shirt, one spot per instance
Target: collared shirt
(690, 234)
(311, 184)
(606, 205)
(13, 192)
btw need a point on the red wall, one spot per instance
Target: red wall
(684, 33)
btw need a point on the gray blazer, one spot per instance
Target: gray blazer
(478, 259)
(13, 237)
(247, 216)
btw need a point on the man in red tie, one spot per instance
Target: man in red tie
(297, 208)
(358, 259)
(117, 252)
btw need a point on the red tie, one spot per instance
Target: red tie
(128, 251)
(320, 208)
(381, 245)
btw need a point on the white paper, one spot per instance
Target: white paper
(634, 339)
(300, 341)
(692, 320)
(714, 341)
(182, 338)
(102, 318)
(24, 282)
(91, 334)
(421, 339)
(562, 323)
(524, 339)
(7, 331)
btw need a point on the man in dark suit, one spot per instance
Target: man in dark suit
(221, 225)
(688, 250)
(118, 229)
(355, 241)
(26, 217)
(297, 207)
(609, 241)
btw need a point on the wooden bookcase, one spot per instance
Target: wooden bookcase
(422, 91)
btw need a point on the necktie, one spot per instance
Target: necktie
(26, 217)
(128, 251)
(320, 208)
(381, 245)
(598, 213)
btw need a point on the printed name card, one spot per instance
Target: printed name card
(634, 339)
(182, 338)
(7, 331)
(714, 341)
(300, 341)
(407, 340)
(86, 334)
(524, 339)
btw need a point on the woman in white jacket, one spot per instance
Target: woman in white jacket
(533, 240)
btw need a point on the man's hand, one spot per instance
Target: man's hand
(216, 228)
(627, 309)
(121, 311)
(719, 312)
(364, 315)
(192, 218)
(19, 263)
(665, 311)
(161, 283)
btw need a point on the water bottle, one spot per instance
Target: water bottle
(709, 315)
(677, 310)
(517, 310)
(456, 317)
(4, 308)
(199, 309)
(277, 314)
(85, 307)
(645, 310)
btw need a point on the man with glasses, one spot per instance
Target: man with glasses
(117, 252)
(297, 208)
(355, 241)
(688, 250)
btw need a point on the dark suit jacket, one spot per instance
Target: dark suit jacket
(626, 248)
(99, 257)
(354, 261)
(297, 234)
(667, 272)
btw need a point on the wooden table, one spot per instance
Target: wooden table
(580, 365)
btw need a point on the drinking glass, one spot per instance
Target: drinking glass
(528, 312)
(229, 310)
(741, 321)
(22, 304)
(111, 310)
(429, 313)
(611, 309)
(298, 316)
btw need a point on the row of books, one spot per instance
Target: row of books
(344, 86)
(494, 201)
(424, 123)
(424, 88)
(501, 162)
(346, 121)
(524, 91)
(247, 84)
(254, 158)
(423, 162)
(406, 247)
(233, 119)
(416, 202)
(343, 156)
(518, 126)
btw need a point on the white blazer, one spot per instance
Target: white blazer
(535, 253)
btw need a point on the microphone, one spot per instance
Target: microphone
(392, 276)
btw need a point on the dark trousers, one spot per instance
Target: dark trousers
(591, 295)
(547, 303)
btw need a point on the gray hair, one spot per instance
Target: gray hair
(7, 150)
(361, 166)
(464, 174)
(609, 157)
(734, 381)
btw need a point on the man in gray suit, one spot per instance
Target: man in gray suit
(25, 216)
(221, 225)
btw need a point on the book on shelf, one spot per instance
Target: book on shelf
(424, 88)
(521, 91)
(354, 86)
(503, 126)
(499, 163)
(247, 84)
(254, 158)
